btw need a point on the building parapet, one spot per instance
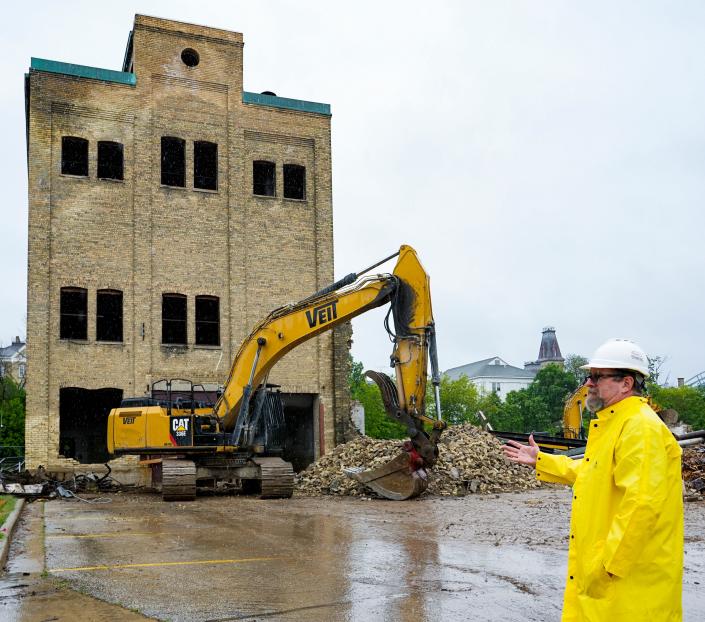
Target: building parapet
(260, 99)
(83, 71)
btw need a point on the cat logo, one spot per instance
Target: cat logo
(179, 425)
(322, 315)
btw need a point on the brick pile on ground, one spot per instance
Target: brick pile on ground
(470, 461)
(694, 469)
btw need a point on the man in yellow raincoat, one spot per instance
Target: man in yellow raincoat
(625, 558)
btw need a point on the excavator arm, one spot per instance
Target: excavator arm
(407, 290)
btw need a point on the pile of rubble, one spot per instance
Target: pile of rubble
(470, 461)
(694, 470)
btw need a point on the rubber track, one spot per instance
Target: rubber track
(178, 480)
(277, 478)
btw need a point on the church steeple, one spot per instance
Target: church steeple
(549, 351)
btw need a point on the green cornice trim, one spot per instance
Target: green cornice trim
(82, 71)
(284, 102)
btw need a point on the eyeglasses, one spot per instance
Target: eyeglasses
(596, 377)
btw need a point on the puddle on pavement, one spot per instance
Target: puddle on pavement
(309, 560)
(28, 596)
(37, 599)
(435, 580)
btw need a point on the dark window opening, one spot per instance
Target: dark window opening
(263, 178)
(173, 161)
(207, 321)
(110, 160)
(301, 417)
(190, 57)
(205, 165)
(83, 419)
(108, 320)
(74, 156)
(73, 313)
(294, 181)
(174, 319)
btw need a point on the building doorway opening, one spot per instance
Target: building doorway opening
(300, 418)
(83, 423)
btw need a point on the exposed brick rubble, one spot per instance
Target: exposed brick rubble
(694, 470)
(470, 461)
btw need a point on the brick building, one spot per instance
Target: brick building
(169, 211)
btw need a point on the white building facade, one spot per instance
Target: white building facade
(493, 375)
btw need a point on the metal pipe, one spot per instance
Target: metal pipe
(349, 279)
(435, 372)
(689, 435)
(690, 441)
(246, 393)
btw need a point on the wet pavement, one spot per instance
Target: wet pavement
(316, 559)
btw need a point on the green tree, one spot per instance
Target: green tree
(12, 409)
(460, 400)
(688, 401)
(491, 406)
(377, 422)
(538, 407)
(655, 364)
(573, 363)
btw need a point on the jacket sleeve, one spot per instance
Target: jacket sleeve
(640, 474)
(556, 469)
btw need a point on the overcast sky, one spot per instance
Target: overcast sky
(546, 159)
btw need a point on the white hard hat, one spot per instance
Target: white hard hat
(619, 354)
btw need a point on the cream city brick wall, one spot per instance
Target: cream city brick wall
(144, 239)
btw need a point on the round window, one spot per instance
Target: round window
(190, 57)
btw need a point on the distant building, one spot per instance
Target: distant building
(549, 352)
(13, 361)
(493, 375)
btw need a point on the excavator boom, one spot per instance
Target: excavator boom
(407, 290)
(242, 435)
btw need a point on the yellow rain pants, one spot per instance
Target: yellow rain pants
(625, 559)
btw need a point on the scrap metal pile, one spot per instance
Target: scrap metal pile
(694, 470)
(470, 461)
(41, 485)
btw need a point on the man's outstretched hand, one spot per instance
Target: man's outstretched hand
(523, 454)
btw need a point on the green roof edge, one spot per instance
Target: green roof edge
(82, 71)
(284, 102)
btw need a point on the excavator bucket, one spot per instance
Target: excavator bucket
(402, 477)
(393, 480)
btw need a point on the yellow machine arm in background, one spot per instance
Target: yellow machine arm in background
(573, 413)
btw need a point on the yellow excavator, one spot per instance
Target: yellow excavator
(573, 433)
(237, 445)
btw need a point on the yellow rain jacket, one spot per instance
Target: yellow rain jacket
(625, 559)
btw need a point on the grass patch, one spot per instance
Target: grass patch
(7, 504)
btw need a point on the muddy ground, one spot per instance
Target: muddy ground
(481, 557)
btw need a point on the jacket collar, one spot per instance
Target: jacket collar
(616, 409)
